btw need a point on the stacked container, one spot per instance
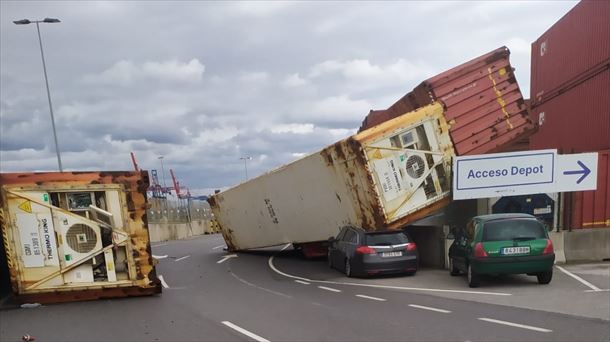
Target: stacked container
(570, 89)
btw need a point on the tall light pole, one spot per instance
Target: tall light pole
(245, 159)
(162, 172)
(46, 79)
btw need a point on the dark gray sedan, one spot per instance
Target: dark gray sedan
(360, 253)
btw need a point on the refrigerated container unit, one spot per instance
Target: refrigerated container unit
(71, 236)
(381, 178)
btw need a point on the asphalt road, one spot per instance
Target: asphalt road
(277, 296)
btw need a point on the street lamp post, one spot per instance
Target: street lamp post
(162, 171)
(245, 159)
(46, 79)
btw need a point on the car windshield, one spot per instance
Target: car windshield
(513, 229)
(386, 239)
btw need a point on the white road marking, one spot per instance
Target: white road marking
(163, 282)
(259, 287)
(244, 332)
(218, 247)
(302, 282)
(160, 256)
(328, 289)
(429, 308)
(272, 266)
(373, 298)
(602, 290)
(516, 325)
(591, 286)
(184, 257)
(226, 257)
(159, 245)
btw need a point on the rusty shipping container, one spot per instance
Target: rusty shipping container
(573, 50)
(484, 106)
(384, 177)
(76, 235)
(591, 209)
(578, 120)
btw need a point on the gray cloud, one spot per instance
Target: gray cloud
(204, 83)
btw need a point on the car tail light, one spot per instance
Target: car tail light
(479, 252)
(549, 247)
(411, 246)
(365, 250)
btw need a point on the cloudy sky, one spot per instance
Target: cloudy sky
(205, 83)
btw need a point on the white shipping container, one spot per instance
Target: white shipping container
(381, 178)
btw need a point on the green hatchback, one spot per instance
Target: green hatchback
(502, 244)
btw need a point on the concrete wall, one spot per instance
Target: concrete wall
(176, 231)
(587, 244)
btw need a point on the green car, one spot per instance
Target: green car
(502, 244)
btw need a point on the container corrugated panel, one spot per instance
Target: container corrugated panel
(483, 104)
(577, 120)
(382, 178)
(591, 209)
(70, 236)
(572, 50)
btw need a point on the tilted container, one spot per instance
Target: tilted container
(381, 178)
(483, 104)
(71, 236)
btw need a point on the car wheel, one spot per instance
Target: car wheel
(452, 268)
(348, 268)
(545, 277)
(473, 278)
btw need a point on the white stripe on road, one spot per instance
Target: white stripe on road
(328, 289)
(159, 245)
(218, 247)
(272, 266)
(602, 290)
(373, 298)
(226, 257)
(244, 331)
(302, 282)
(429, 308)
(516, 325)
(159, 256)
(163, 282)
(591, 286)
(184, 257)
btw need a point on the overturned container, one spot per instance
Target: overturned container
(483, 104)
(381, 178)
(71, 236)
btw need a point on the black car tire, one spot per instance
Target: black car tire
(545, 277)
(452, 269)
(348, 268)
(473, 277)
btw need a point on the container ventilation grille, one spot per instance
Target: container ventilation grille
(81, 238)
(416, 166)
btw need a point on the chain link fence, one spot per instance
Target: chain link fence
(164, 210)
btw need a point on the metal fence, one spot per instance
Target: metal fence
(164, 210)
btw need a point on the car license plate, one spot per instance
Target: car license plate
(515, 250)
(390, 254)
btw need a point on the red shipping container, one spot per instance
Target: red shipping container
(572, 50)
(591, 209)
(483, 103)
(578, 120)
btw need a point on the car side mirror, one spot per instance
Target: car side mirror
(331, 240)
